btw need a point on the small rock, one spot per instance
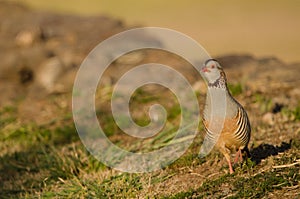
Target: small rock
(49, 72)
(268, 118)
(26, 38)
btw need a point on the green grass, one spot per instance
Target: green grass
(251, 186)
(49, 161)
(119, 186)
(143, 97)
(43, 161)
(64, 169)
(292, 112)
(235, 89)
(265, 104)
(8, 115)
(296, 113)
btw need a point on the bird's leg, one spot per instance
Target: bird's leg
(236, 159)
(238, 156)
(226, 152)
(241, 155)
(227, 156)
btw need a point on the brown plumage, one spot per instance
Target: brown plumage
(235, 132)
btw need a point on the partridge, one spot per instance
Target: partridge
(223, 112)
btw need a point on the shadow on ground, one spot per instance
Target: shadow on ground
(264, 151)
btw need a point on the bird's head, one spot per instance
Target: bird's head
(212, 71)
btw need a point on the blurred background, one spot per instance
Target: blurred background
(43, 44)
(262, 28)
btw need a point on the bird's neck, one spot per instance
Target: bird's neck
(220, 83)
(219, 99)
(216, 100)
(218, 90)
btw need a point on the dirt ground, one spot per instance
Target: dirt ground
(41, 52)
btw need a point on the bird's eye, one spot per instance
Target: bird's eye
(212, 66)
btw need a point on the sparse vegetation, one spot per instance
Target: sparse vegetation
(52, 163)
(42, 156)
(235, 89)
(265, 104)
(293, 113)
(248, 183)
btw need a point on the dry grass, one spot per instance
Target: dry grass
(50, 162)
